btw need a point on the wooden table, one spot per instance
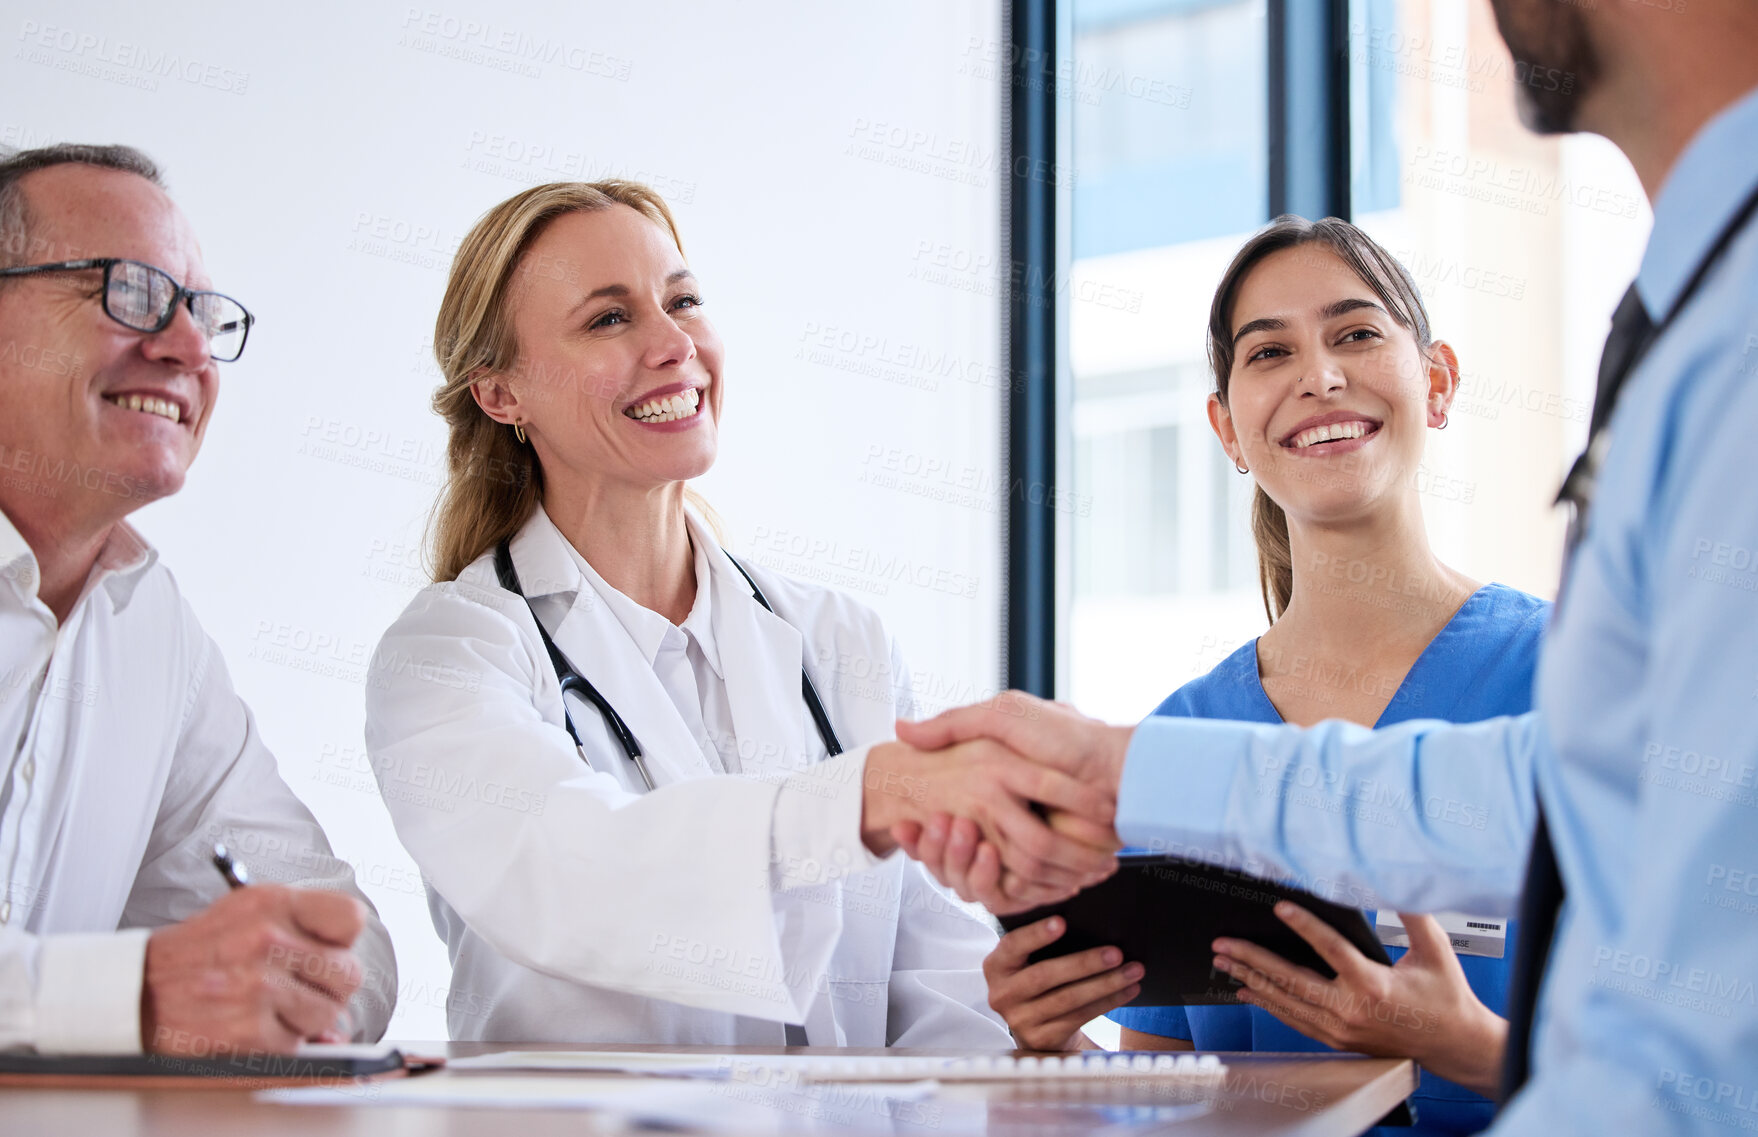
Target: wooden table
(1288, 1095)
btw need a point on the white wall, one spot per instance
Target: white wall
(835, 171)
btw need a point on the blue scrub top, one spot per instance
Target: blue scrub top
(1480, 666)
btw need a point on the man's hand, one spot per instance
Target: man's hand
(995, 788)
(1052, 734)
(262, 968)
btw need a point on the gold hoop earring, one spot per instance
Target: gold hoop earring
(519, 432)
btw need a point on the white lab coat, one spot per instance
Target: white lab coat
(709, 911)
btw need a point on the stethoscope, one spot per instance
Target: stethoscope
(572, 680)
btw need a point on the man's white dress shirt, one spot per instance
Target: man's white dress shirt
(125, 755)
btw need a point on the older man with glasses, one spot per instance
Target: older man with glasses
(125, 754)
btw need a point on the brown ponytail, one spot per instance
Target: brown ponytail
(1380, 271)
(1275, 553)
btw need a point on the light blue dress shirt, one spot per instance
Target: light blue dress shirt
(1643, 744)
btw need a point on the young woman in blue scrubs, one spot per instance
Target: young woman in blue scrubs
(1327, 381)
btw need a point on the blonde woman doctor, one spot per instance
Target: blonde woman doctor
(673, 851)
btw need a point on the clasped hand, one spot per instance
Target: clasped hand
(1036, 783)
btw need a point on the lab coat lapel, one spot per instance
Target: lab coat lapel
(602, 650)
(760, 659)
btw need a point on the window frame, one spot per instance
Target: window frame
(1310, 167)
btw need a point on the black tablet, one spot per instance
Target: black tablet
(1164, 912)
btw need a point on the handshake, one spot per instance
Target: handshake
(1011, 803)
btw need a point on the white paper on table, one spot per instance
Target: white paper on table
(709, 1105)
(603, 1062)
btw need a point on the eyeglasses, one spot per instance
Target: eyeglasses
(144, 298)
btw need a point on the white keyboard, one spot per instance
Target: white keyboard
(1201, 1068)
(1179, 1069)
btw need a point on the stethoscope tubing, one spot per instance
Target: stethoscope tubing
(571, 679)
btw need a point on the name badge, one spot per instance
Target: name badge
(1471, 935)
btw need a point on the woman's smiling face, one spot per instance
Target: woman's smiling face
(618, 375)
(1328, 395)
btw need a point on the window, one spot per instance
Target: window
(1169, 136)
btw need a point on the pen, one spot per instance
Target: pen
(237, 876)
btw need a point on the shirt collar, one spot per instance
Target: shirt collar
(15, 553)
(1717, 171)
(646, 627)
(122, 562)
(547, 563)
(699, 624)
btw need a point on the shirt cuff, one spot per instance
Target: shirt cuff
(88, 992)
(815, 835)
(1178, 777)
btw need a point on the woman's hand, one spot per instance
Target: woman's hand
(1045, 1004)
(954, 853)
(1421, 1007)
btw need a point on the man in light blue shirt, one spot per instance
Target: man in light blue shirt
(1643, 747)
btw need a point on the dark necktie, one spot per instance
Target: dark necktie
(1630, 331)
(1542, 898)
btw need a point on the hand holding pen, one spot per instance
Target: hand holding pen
(265, 967)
